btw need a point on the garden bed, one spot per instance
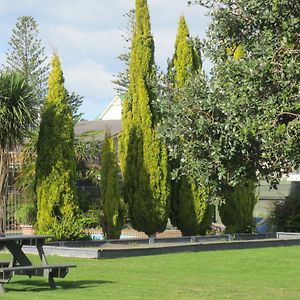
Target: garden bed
(142, 247)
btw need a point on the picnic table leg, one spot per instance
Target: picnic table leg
(17, 253)
(41, 252)
(51, 281)
(2, 288)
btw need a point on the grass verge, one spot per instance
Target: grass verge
(269, 273)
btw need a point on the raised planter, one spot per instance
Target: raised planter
(27, 229)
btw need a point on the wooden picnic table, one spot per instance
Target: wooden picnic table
(20, 264)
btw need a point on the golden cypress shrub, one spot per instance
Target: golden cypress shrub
(55, 166)
(110, 191)
(143, 157)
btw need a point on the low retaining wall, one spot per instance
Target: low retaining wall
(64, 251)
(118, 251)
(196, 247)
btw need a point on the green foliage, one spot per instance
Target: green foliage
(27, 55)
(143, 157)
(55, 164)
(75, 102)
(110, 192)
(190, 212)
(18, 116)
(285, 215)
(26, 214)
(18, 112)
(25, 180)
(69, 227)
(188, 202)
(186, 61)
(246, 124)
(237, 211)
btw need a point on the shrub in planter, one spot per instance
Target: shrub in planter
(26, 214)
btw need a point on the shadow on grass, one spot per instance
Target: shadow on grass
(39, 286)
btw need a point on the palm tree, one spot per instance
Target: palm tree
(18, 115)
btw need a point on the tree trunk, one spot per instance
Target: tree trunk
(3, 181)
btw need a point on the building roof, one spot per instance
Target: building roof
(99, 127)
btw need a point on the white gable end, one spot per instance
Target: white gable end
(113, 110)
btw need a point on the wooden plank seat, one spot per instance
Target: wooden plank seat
(4, 264)
(50, 271)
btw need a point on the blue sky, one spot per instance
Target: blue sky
(87, 36)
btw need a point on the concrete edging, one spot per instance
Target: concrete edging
(64, 251)
(102, 253)
(196, 247)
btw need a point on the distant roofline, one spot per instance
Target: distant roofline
(100, 116)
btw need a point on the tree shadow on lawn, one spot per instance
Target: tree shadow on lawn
(39, 285)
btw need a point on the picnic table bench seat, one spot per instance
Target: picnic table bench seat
(4, 263)
(50, 271)
(20, 263)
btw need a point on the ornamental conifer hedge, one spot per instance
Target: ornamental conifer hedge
(143, 157)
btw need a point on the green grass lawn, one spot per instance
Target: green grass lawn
(270, 273)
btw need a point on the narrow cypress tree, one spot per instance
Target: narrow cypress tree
(237, 211)
(186, 60)
(189, 210)
(143, 157)
(110, 191)
(55, 164)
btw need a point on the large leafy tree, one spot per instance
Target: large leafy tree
(259, 48)
(27, 55)
(246, 126)
(55, 165)
(143, 157)
(17, 117)
(113, 209)
(188, 202)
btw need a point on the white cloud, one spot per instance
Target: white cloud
(90, 80)
(87, 37)
(88, 77)
(76, 43)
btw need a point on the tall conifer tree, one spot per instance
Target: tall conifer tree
(110, 191)
(188, 202)
(55, 164)
(143, 157)
(27, 55)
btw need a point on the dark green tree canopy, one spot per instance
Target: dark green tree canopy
(246, 124)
